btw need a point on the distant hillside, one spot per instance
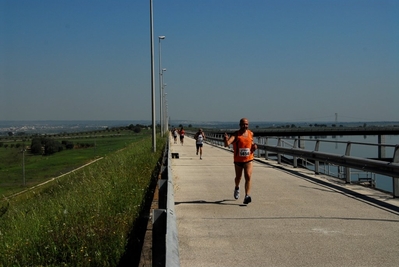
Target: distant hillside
(52, 127)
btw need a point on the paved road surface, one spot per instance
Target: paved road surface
(295, 218)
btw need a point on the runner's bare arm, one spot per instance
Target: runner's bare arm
(228, 140)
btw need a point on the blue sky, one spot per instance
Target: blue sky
(281, 60)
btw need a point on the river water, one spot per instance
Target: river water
(337, 145)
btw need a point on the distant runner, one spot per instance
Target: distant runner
(175, 135)
(182, 132)
(199, 137)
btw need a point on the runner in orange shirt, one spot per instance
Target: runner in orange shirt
(182, 132)
(244, 148)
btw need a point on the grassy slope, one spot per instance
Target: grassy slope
(42, 168)
(82, 219)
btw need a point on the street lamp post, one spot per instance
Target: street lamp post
(165, 113)
(160, 84)
(162, 108)
(154, 147)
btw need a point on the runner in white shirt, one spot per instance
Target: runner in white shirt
(175, 135)
(199, 137)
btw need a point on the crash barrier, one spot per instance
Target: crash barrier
(164, 232)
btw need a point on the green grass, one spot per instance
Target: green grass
(41, 168)
(81, 219)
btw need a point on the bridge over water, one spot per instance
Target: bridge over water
(296, 218)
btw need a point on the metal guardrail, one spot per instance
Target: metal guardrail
(312, 131)
(375, 166)
(165, 235)
(171, 242)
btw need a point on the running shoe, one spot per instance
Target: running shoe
(247, 200)
(237, 193)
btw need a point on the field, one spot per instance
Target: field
(84, 218)
(41, 168)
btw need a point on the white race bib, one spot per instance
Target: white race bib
(244, 152)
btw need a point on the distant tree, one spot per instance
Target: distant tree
(190, 126)
(257, 126)
(69, 145)
(52, 146)
(36, 146)
(137, 129)
(10, 133)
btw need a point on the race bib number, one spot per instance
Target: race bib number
(244, 152)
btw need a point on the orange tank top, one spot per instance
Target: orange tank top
(242, 147)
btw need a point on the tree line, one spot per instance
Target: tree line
(49, 146)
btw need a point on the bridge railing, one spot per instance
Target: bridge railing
(390, 168)
(165, 244)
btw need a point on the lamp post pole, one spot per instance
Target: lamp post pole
(154, 147)
(160, 84)
(162, 98)
(165, 113)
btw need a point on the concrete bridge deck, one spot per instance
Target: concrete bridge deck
(295, 219)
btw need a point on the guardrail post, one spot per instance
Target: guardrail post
(266, 153)
(395, 187)
(347, 169)
(295, 161)
(395, 180)
(301, 142)
(278, 154)
(317, 163)
(395, 157)
(381, 149)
